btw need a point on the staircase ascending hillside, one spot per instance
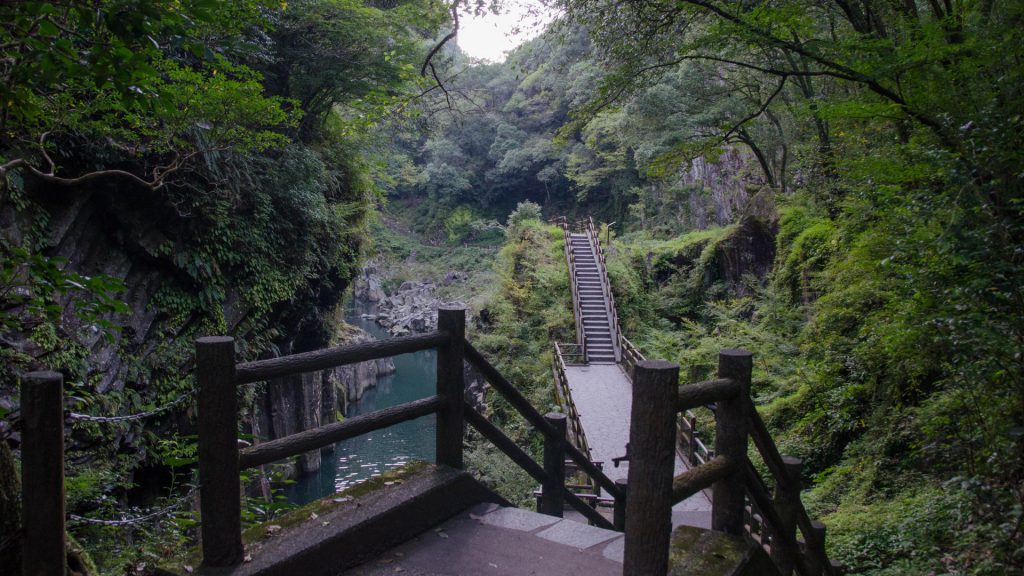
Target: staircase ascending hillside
(598, 330)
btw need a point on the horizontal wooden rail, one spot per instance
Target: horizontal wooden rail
(325, 435)
(330, 357)
(700, 477)
(524, 461)
(523, 406)
(701, 393)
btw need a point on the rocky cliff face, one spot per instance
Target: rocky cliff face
(134, 237)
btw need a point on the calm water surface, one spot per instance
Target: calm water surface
(372, 454)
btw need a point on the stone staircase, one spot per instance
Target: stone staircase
(597, 330)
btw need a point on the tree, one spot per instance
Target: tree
(138, 78)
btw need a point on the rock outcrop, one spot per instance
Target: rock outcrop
(410, 310)
(368, 286)
(296, 403)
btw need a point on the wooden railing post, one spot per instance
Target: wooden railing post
(42, 467)
(652, 439)
(451, 384)
(787, 502)
(219, 483)
(727, 500)
(815, 555)
(619, 511)
(691, 439)
(553, 489)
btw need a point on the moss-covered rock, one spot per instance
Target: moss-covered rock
(699, 552)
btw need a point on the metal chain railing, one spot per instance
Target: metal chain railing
(126, 521)
(139, 416)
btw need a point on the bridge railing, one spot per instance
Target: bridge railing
(220, 461)
(741, 502)
(564, 396)
(570, 262)
(577, 435)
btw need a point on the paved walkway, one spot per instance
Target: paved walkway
(494, 541)
(604, 397)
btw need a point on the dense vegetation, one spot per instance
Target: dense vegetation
(879, 144)
(834, 185)
(174, 169)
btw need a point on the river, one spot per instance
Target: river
(372, 454)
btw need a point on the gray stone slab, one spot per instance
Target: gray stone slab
(615, 550)
(482, 509)
(465, 547)
(577, 535)
(695, 518)
(517, 519)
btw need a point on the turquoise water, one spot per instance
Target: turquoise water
(370, 455)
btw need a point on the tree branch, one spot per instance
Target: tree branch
(437, 47)
(835, 69)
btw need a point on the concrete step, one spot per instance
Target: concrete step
(503, 541)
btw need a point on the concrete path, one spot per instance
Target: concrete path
(604, 396)
(494, 541)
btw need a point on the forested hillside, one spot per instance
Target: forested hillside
(836, 186)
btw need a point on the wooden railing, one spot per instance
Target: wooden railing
(643, 510)
(221, 461)
(577, 435)
(741, 502)
(630, 355)
(570, 262)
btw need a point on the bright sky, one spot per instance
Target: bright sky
(492, 36)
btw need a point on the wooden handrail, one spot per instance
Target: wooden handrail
(701, 393)
(700, 477)
(579, 435)
(258, 370)
(502, 442)
(524, 461)
(764, 503)
(300, 442)
(523, 406)
(570, 262)
(612, 313)
(732, 484)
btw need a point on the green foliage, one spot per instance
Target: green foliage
(528, 312)
(220, 145)
(458, 224)
(525, 212)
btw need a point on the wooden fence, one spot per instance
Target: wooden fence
(643, 509)
(741, 501)
(218, 376)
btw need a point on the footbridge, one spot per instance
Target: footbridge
(594, 374)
